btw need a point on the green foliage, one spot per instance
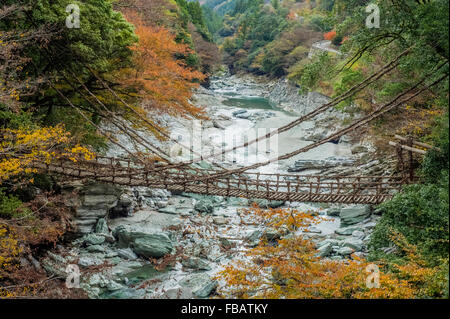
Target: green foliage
(437, 161)
(420, 213)
(314, 71)
(212, 20)
(192, 12)
(438, 285)
(320, 23)
(348, 79)
(255, 27)
(11, 206)
(14, 120)
(102, 43)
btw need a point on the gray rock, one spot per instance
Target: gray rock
(154, 245)
(142, 273)
(238, 112)
(333, 242)
(196, 263)
(96, 249)
(112, 254)
(93, 239)
(358, 234)
(354, 243)
(156, 193)
(334, 212)
(177, 293)
(114, 286)
(369, 225)
(98, 280)
(168, 210)
(127, 293)
(314, 230)
(202, 285)
(204, 206)
(204, 165)
(161, 204)
(102, 189)
(125, 206)
(347, 231)
(336, 258)
(324, 250)
(264, 203)
(93, 203)
(272, 234)
(102, 227)
(54, 268)
(218, 125)
(89, 261)
(235, 201)
(225, 242)
(353, 215)
(254, 237)
(127, 253)
(99, 200)
(34, 262)
(345, 251)
(92, 292)
(360, 254)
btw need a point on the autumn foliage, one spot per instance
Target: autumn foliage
(289, 268)
(19, 148)
(159, 74)
(329, 35)
(41, 224)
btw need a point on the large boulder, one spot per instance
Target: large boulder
(152, 245)
(354, 243)
(345, 251)
(149, 245)
(92, 203)
(347, 231)
(196, 263)
(354, 214)
(204, 206)
(201, 284)
(324, 250)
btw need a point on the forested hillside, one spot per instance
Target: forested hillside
(67, 92)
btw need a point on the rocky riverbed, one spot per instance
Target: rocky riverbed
(149, 243)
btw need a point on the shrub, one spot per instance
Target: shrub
(11, 206)
(330, 35)
(420, 213)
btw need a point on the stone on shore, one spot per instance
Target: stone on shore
(148, 245)
(353, 215)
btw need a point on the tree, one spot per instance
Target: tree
(161, 79)
(290, 268)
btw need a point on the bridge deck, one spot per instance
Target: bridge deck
(282, 187)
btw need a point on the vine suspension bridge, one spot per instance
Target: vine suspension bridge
(280, 187)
